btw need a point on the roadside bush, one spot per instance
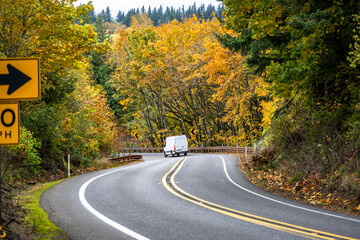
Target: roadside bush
(320, 144)
(44, 121)
(22, 160)
(353, 134)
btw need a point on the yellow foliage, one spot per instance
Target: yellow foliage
(46, 29)
(182, 70)
(141, 21)
(91, 103)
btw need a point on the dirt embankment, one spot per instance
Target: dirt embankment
(310, 189)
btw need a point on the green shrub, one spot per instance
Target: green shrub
(27, 152)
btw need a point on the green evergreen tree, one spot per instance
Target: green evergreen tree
(102, 71)
(90, 18)
(120, 17)
(159, 16)
(100, 28)
(127, 19)
(155, 17)
(303, 51)
(108, 17)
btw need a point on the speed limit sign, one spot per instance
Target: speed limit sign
(9, 123)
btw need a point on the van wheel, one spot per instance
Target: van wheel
(172, 154)
(185, 154)
(165, 154)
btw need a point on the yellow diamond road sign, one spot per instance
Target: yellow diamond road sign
(9, 123)
(19, 79)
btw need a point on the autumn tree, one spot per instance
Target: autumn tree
(55, 33)
(89, 128)
(181, 78)
(139, 21)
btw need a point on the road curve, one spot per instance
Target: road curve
(195, 197)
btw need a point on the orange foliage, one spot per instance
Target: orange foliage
(181, 78)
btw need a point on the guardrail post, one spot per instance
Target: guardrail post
(246, 150)
(68, 165)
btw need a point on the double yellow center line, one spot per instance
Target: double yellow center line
(169, 183)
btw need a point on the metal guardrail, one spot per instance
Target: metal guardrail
(235, 150)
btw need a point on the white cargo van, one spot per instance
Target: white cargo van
(175, 145)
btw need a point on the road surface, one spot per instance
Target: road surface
(200, 196)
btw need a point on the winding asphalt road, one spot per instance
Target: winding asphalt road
(193, 197)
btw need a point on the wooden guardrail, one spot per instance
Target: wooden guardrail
(237, 150)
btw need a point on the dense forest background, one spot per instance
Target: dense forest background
(79, 111)
(279, 75)
(158, 16)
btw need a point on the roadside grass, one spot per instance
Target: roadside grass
(37, 222)
(36, 218)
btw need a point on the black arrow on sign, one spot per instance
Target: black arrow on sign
(193, 131)
(15, 79)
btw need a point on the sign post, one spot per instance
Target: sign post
(19, 81)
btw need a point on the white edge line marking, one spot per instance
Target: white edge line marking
(277, 201)
(101, 216)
